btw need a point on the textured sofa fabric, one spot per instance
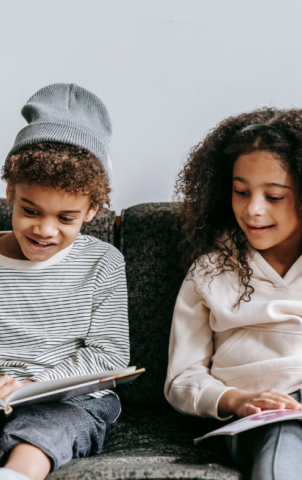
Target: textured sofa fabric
(6, 211)
(102, 226)
(149, 239)
(150, 439)
(149, 431)
(153, 442)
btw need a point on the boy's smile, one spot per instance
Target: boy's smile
(45, 221)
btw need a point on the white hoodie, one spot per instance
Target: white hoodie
(215, 347)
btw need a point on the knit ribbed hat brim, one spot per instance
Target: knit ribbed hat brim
(62, 133)
(67, 113)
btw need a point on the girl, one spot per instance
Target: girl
(236, 339)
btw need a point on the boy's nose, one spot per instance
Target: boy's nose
(45, 229)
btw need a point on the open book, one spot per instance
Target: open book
(70, 387)
(254, 421)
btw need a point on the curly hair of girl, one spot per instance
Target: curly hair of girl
(205, 185)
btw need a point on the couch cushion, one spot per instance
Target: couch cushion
(6, 211)
(102, 225)
(149, 239)
(139, 469)
(155, 442)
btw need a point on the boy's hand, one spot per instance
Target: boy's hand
(242, 403)
(9, 384)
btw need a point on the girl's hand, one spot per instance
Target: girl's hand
(9, 384)
(242, 403)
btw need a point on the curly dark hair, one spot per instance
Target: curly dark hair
(206, 186)
(61, 166)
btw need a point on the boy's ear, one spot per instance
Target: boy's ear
(10, 193)
(90, 214)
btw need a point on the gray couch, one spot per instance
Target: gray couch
(150, 439)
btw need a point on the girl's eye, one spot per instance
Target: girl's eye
(272, 199)
(243, 194)
(66, 219)
(30, 212)
(275, 199)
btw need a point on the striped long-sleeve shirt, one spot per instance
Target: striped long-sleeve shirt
(66, 316)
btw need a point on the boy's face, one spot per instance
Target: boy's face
(45, 221)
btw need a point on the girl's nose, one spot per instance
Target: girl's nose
(45, 228)
(256, 206)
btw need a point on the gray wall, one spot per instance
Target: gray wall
(168, 71)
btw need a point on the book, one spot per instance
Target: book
(70, 387)
(253, 421)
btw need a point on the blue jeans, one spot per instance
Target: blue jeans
(274, 452)
(64, 430)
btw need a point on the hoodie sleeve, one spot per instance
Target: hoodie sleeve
(190, 388)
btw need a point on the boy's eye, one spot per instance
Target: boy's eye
(66, 219)
(30, 212)
(33, 213)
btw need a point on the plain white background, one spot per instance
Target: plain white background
(167, 70)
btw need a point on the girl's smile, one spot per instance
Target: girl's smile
(259, 230)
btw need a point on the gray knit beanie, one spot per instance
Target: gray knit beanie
(67, 113)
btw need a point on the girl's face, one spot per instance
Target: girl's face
(263, 201)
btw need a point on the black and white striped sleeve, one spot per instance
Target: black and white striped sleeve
(106, 345)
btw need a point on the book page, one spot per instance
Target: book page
(80, 389)
(38, 388)
(254, 421)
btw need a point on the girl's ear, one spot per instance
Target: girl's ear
(10, 193)
(90, 214)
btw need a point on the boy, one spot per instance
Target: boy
(63, 295)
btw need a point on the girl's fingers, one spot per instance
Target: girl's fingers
(269, 404)
(269, 400)
(293, 405)
(251, 410)
(284, 396)
(288, 401)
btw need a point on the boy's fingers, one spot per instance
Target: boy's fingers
(6, 390)
(4, 380)
(7, 385)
